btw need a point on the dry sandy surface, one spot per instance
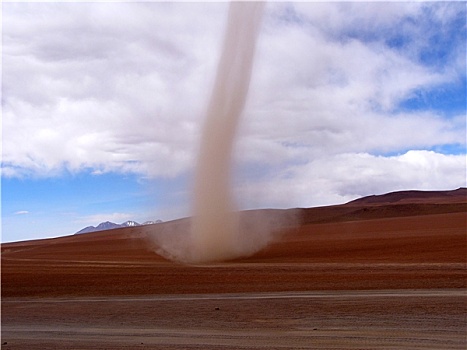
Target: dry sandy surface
(385, 272)
(412, 319)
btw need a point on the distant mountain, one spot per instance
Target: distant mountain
(110, 225)
(87, 230)
(129, 223)
(152, 222)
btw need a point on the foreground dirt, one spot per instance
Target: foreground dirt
(328, 320)
(365, 275)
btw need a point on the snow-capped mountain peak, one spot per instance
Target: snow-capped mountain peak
(107, 225)
(129, 223)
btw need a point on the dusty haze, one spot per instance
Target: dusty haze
(215, 233)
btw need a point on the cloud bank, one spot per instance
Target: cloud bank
(347, 99)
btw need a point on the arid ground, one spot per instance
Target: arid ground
(381, 272)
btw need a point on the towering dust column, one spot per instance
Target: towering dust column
(214, 226)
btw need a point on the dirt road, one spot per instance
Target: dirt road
(384, 319)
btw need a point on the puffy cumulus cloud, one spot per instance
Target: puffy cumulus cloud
(344, 177)
(114, 87)
(317, 91)
(123, 86)
(330, 97)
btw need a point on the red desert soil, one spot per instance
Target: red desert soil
(379, 272)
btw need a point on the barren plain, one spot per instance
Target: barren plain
(382, 272)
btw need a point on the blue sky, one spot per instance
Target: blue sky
(102, 106)
(71, 200)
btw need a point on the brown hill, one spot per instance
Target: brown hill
(454, 196)
(408, 239)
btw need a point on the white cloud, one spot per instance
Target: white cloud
(118, 87)
(21, 212)
(122, 87)
(346, 176)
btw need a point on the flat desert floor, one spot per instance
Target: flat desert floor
(378, 273)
